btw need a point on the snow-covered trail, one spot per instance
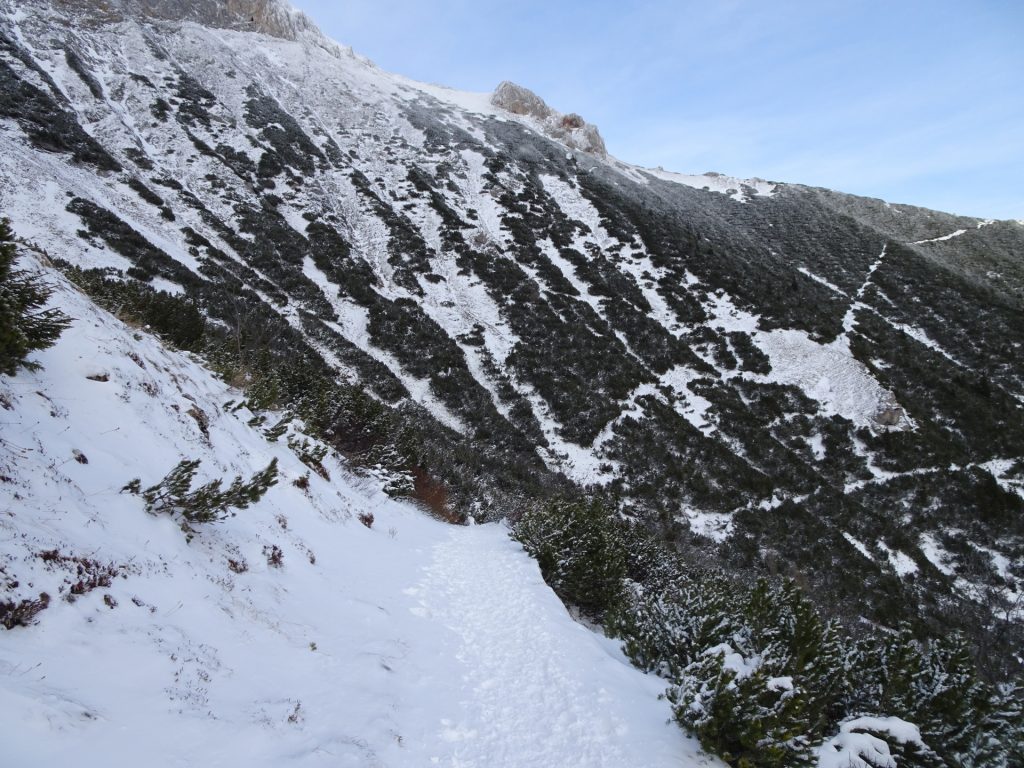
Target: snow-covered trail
(535, 688)
(394, 642)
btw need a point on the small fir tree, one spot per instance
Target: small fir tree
(24, 325)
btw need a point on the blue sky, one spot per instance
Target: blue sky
(913, 102)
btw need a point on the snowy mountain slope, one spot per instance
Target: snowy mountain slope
(410, 642)
(737, 365)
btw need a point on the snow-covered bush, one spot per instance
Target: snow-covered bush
(580, 549)
(857, 745)
(763, 680)
(21, 614)
(935, 685)
(310, 454)
(754, 670)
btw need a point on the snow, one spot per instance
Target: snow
(936, 553)
(950, 236)
(39, 210)
(353, 322)
(581, 464)
(576, 207)
(740, 190)
(1012, 589)
(410, 642)
(858, 545)
(691, 406)
(901, 562)
(852, 748)
(919, 335)
(855, 750)
(827, 373)
(477, 197)
(780, 683)
(849, 319)
(1000, 471)
(1000, 561)
(900, 730)
(589, 464)
(817, 445)
(467, 101)
(735, 662)
(945, 561)
(818, 279)
(646, 276)
(716, 526)
(294, 219)
(533, 693)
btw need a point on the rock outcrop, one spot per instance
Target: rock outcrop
(520, 101)
(570, 129)
(270, 17)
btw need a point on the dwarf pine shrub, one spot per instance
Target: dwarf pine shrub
(580, 550)
(208, 503)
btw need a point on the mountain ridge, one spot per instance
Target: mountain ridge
(278, 18)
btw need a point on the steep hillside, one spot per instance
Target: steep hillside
(325, 624)
(776, 380)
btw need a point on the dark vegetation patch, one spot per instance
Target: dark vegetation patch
(148, 261)
(977, 325)
(22, 613)
(80, 68)
(290, 143)
(84, 574)
(49, 126)
(806, 674)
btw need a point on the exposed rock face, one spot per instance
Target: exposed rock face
(571, 129)
(588, 139)
(889, 415)
(520, 101)
(271, 17)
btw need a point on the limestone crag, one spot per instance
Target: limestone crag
(571, 129)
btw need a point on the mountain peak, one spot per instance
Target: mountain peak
(519, 100)
(570, 128)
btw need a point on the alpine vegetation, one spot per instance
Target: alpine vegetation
(209, 502)
(374, 344)
(25, 323)
(758, 674)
